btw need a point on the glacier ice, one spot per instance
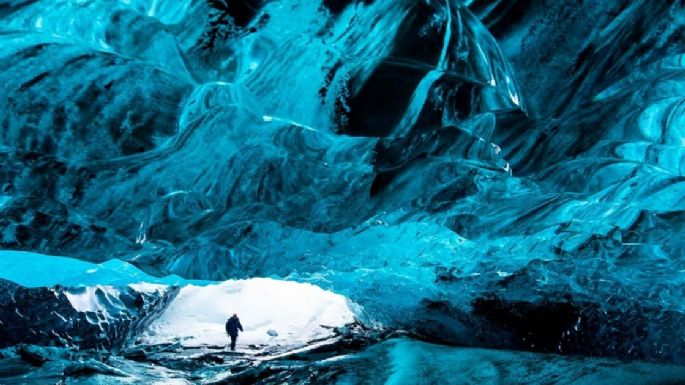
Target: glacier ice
(48, 270)
(96, 317)
(495, 174)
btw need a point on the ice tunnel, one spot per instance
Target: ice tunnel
(441, 182)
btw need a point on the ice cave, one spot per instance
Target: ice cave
(383, 192)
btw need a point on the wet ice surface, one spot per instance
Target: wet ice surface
(395, 361)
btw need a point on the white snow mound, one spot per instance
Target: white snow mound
(296, 311)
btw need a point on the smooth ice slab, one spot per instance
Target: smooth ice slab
(40, 270)
(409, 362)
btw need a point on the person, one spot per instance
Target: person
(232, 327)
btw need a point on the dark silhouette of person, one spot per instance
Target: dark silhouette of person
(232, 327)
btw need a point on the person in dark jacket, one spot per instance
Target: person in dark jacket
(232, 327)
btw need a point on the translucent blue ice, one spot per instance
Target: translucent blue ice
(38, 270)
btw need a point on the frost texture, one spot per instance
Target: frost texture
(501, 174)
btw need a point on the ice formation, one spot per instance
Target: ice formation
(483, 173)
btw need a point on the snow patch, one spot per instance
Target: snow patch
(86, 300)
(297, 312)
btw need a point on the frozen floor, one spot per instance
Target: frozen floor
(393, 362)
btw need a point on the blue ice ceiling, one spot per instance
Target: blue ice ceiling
(489, 173)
